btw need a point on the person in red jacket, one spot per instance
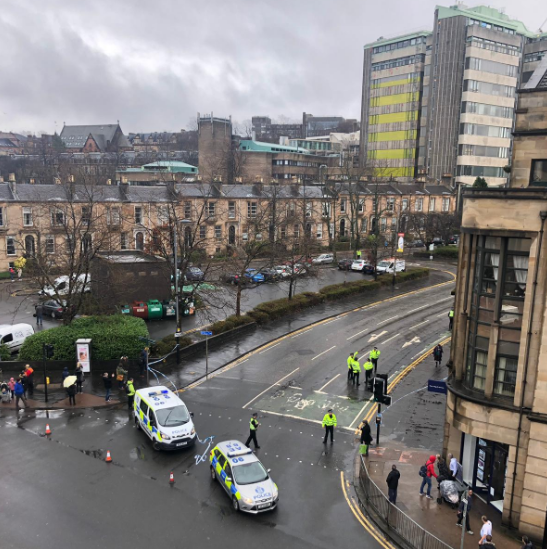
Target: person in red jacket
(430, 472)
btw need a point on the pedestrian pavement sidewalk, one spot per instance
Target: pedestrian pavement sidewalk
(438, 519)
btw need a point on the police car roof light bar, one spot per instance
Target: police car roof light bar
(240, 452)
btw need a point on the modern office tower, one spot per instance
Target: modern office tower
(469, 71)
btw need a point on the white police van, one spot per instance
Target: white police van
(163, 416)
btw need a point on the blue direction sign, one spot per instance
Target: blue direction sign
(203, 333)
(435, 386)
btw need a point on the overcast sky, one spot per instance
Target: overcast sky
(153, 64)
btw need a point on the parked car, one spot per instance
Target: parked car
(53, 308)
(270, 275)
(368, 269)
(323, 259)
(13, 336)
(299, 269)
(387, 265)
(358, 265)
(234, 279)
(454, 240)
(436, 242)
(194, 274)
(283, 271)
(254, 276)
(61, 284)
(345, 264)
(415, 244)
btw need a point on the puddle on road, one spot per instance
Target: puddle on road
(97, 454)
(137, 453)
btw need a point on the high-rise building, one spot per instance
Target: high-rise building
(441, 104)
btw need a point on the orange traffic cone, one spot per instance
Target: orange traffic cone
(171, 478)
(48, 430)
(108, 458)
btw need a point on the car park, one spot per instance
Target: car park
(270, 275)
(387, 266)
(300, 269)
(368, 269)
(246, 481)
(358, 265)
(254, 276)
(436, 242)
(415, 244)
(53, 308)
(164, 418)
(282, 271)
(345, 264)
(61, 285)
(194, 274)
(323, 259)
(234, 279)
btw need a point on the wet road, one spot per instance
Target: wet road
(60, 491)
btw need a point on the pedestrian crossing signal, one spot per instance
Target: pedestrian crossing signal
(380, 388)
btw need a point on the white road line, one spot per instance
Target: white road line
(387, 320)
(442, 314)
(333, 320)
(293, 387)
(388, 340)
(244, 361)
(260, 352)
(329, 382)
(355, 335)
(360, 413)
(421, 324)
(317, 356)
(317, 421)
(270, 387)
(301, 333)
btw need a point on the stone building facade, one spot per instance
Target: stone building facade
(496, 416)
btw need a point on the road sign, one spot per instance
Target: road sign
(204, 333)
(179, 334)
(435, 386)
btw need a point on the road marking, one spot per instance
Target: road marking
(442, 314)
(355, 335)
(302, 333)
(413, 340)
(317, 356)
(420, 324)
(328, 382)
(270, 347)
(363, 521)
(361, 410)
(387, 320)
(388, 340)
(333, 320)
(316, 421)
(374, 337)
(244, 361)
(270, 387)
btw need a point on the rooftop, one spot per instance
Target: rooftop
(259, 146)
(383, 41)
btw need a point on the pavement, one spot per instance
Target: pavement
(290, 382)
(59, 401)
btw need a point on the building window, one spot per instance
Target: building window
(163, 215)
(187, 210)
(319, 232)
(138, 215)
(505, 376)
(113, 216)
(431, 204)
(283, 232)
(231, 210)
(325, 209)
(446, 204)
(10, 245)
(390, 203)
(405, 204)
(123, 241)
(251, 209)
(211, 209)
(57, 218)
(361, 205)
(27, 217)
(218, 232)
(308, 209)
(202, 232)
(139, 241)
(343, 205)
(86, 243)
(364, 225)
(538, 173)
(86, 215)
(419, 205)
(296, 231)
(2, 220)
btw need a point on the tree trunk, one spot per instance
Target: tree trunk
(238, 299)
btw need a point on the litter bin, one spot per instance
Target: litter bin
(169, 309)
(155, 309)
(140, 309)
(187, 307)
(126, 310)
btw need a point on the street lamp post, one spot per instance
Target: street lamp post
(177, 289)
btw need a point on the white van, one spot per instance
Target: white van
(164, 418)
(14, 336)
(61, 283)
(386, 266)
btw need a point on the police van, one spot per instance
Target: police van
(243, 477)
(164, 418)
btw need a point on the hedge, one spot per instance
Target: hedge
(112, 336)
(167, 344)
(272, 310)
(450, 252)
(4, 275)
(5, 353)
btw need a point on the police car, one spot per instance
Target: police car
(163, 416)
(243, 477)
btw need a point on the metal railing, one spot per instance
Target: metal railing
(397, 521)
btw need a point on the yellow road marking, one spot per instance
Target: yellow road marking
(364, 521)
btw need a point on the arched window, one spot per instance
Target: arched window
(30, 247)
(232, 235)
(139, 241)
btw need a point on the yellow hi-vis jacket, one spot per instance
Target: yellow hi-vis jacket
(374, 354)
(329, 420)
(451, 313)
(356, 366)
(368, 365)
(350, 362)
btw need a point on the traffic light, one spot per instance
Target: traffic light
(48, 350)
(380, 389)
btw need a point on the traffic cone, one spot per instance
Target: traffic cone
(48, 430)
(108, 458)
(171, 479)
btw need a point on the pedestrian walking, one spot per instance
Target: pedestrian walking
(366, 435)
(253, 426)
(526, 543)
(456, 469)
(12, 273)
(438, 354)
(19, 273)
(450, 318)
(65, 373)
(329, 423)
(427, 471)
(369, 370)
(71, 391)
(11, 385)
(79, 377)
(121, 374)
(486, 529)
(460, 512)
(23, 380)
(130, 391)
(29, 372)
(107, 380)
(374, 356)
(349, 361)
(143, 361)
(39, 309)
(19, 392)
(392, 481)
(356, 367)
(488, 543)
(358, 253)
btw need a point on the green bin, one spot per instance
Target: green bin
(126, 310)
(155, 309)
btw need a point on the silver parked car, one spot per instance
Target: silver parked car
(323, 259)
